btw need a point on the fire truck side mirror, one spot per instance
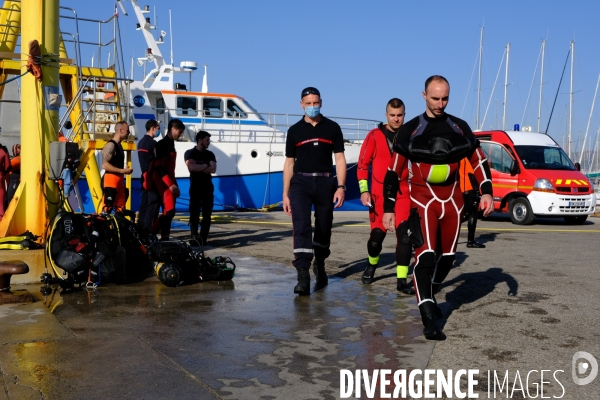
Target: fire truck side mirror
(578, 166)
(514, 168)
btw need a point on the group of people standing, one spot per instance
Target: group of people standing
(159, 189)
(432, 149)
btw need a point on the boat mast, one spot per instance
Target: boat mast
(505, 87)
(571, 100)
(541, 86)
(479, 78)
(171, 35)
(589, 121)
(153, 53)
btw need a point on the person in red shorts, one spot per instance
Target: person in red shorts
(376, 153)
(113, 160)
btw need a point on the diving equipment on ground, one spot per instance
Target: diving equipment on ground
(92, 249)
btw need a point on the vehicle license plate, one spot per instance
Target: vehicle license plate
(577, 204)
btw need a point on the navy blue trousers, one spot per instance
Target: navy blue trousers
(305, 193)
(149, 206)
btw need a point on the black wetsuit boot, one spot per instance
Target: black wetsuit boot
(435, 287)
(430, 330)
(472, 224)
(369, 274)
(404, 287)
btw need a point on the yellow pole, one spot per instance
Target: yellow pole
(39, 119)
(10, 22)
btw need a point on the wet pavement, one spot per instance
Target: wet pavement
(249, 338)
(528, 302)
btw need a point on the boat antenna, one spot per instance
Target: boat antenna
(205, 79)
(557, 90)
(171, 35)
(122, 7)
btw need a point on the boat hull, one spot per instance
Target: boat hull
(235, 192)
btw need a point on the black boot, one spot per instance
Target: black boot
(320, 274)
(303, 286)
(369, 274)
(438, 310)
(472, 244)
(430, 330)
(404, 287)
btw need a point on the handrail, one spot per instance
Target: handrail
(67, 114)
(354, 129)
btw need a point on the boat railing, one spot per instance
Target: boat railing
(260, 127)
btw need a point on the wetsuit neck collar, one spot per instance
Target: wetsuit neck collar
(388, 134)
(442, 117)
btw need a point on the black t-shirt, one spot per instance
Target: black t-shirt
(200, 157)
(311, 146)
(145, 150)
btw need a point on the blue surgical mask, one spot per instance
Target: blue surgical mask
(157, 134)
(312, 111)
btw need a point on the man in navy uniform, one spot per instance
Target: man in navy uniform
(308, 181)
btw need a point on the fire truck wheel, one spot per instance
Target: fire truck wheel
(520, 211)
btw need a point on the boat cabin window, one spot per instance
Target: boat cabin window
(234, 110)
(212, 107)
(187, 105)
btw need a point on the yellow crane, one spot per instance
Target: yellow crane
(94, 106)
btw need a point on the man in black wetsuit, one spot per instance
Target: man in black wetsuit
(150, 202)
(435, 142)
(201, 163)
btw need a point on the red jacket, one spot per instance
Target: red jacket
(376, 153)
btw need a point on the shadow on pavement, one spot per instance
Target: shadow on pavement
(474, 286)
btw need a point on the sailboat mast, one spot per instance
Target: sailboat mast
(479, 78)
(505, 87)
(571, 100)
(541, 86)
(589, 120)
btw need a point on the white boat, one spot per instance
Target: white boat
(249, 146)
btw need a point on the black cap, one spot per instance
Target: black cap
(310, 90)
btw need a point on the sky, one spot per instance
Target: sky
(360, 54)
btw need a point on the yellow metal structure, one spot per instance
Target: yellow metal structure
(39, 127)
(92, 115)
(10, 28)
